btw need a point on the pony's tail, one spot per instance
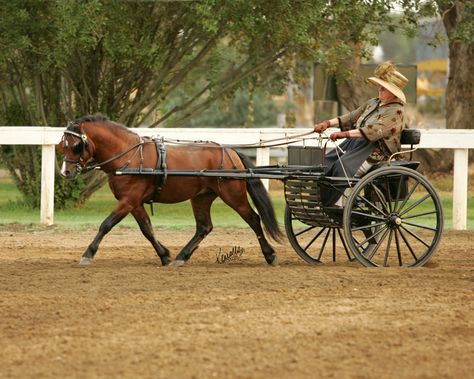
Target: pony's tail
(262, 202)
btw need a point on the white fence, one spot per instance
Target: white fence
(459, 140)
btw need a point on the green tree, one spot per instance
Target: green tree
(63, 59)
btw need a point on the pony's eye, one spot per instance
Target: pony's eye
(77, 148)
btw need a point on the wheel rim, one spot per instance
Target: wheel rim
(399, 213)
(315, 244)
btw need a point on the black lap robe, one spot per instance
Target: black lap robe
(357, 150)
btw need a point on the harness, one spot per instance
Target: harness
(160, 165)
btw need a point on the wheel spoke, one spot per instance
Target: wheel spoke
(388, 194)
(369, 215)
(344, 244)
(368, 226)
(304, 231)
(381, 197)
(368, 202)
(407, 197)
(314, 239)
(379, 243)
(420, 214)
(324, 244)
(414, 236)
(398, 191)
(397, 244)
(408, 245)
(419, 226)
(359, 244)
(304, 238)
(387, 251)
(415, 204)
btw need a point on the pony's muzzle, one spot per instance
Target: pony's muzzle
(66, 173)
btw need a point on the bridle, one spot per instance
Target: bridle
(81, 164)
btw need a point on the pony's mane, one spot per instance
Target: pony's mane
(73, 126)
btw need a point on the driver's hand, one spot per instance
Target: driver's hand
(322, 126)
(338, 135)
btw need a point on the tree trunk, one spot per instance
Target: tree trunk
(351, 91)
(460, 89)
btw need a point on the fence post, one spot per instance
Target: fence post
(460, 189)
(48, 164)
(263, 159)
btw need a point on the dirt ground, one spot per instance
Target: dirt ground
(126, 317)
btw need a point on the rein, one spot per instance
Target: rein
(262, 144)
(98, 165)
(82, 166)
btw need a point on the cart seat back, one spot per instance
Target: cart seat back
(410, 137)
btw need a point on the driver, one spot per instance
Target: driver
(372, 131)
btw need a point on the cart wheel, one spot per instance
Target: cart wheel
(398, 212)
(314, 243)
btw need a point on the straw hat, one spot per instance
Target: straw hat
(387, 76)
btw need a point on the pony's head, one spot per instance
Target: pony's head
(76, 147)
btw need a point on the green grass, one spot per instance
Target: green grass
(171, 216)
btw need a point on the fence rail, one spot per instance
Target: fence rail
(460, 140)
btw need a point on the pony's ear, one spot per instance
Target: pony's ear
(60, 147)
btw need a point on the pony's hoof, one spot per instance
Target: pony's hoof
(166, 261)
(85, 261)
(274, 261)
(176, 263)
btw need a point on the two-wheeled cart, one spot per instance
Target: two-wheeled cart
(392, 216)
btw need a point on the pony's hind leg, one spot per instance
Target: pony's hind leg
(239, 202)
(144, 223)
(253, 219)
(202, 213)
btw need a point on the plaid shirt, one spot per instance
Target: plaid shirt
(380, 123)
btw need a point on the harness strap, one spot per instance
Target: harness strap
(160, 165)
(230, 158)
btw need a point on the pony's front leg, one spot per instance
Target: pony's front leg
(113, 219)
